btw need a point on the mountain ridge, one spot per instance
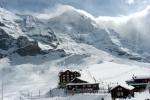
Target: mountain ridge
(51, 33)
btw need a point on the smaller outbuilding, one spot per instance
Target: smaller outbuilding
(122, 91)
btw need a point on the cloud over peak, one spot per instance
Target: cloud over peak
(134, 27)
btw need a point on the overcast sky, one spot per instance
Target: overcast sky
(95, 7)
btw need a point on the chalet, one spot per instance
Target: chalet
(73, 83)
(122, 91)
(67, 76)
(139, 82)
(78, 85)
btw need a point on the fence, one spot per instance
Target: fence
(103, 89)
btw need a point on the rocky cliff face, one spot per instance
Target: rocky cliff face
(18, 35)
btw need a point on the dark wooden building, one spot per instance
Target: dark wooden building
(121, 91)
(67, 76)
(72, 82)
(139, 82)
(82, 87)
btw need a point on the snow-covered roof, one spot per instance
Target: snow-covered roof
(142, 77)
(80, 83)
(128, 87)
(72, 70)
(139, 77)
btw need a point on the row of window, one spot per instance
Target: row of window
(68, 77)
(89, 86)
(66, 80)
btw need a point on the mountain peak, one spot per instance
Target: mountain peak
(63, 10)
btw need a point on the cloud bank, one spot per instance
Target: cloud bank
(133, 28)
(95, 7)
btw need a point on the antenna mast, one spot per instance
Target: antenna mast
(2, 3)
(136, 42)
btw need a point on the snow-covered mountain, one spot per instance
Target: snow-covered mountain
(29, 35)
(34, 49)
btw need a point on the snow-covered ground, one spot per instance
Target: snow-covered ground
(31, 77)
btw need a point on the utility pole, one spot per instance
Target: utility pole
(2, 90)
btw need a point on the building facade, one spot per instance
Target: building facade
(82, 87)
(67, 76)
(139, 82)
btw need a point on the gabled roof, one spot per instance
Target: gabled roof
(128, 87)
(78, 79)
(70, 71)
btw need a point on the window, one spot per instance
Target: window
(95, 86)
(119, 89)
(83, 86)
(76, 86)
(121, 93)
(118, 93)
(89, 85)
(69, 86)
(146, 81)
(68, 77)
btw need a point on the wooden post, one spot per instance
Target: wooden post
(39, 93)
